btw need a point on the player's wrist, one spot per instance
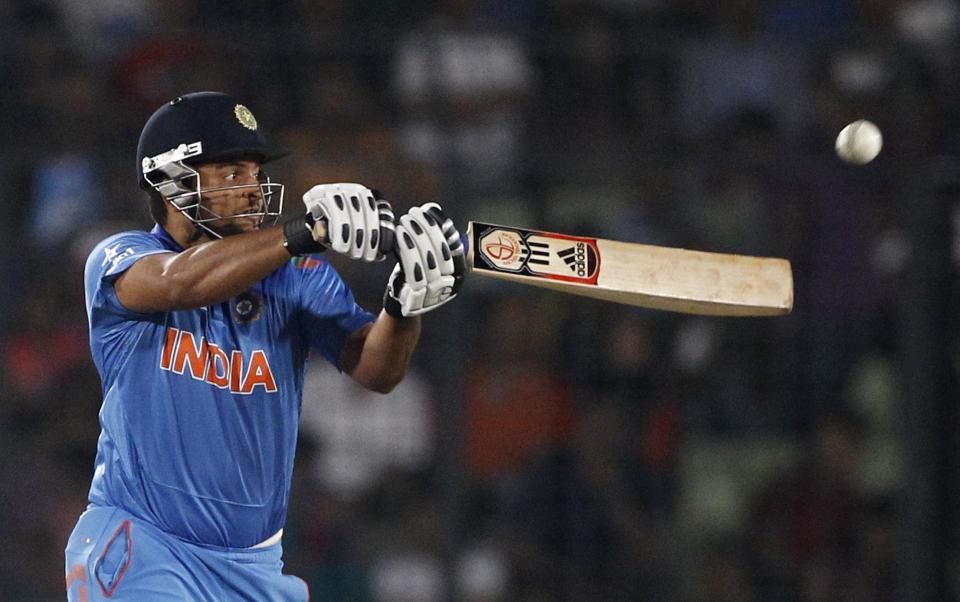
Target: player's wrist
(392, 306)
(391, 296)
(298, 236)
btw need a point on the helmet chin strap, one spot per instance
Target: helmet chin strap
(199, 228)
(197, 234)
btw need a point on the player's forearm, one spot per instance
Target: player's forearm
(218, 270)
(386, 352)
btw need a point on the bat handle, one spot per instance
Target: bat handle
(320, 232)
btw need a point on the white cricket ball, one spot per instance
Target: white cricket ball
(860, 142)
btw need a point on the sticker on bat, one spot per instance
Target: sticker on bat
(539, 254)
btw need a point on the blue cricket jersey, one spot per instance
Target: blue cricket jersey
(201, 406)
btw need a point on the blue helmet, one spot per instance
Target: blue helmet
(197, 128)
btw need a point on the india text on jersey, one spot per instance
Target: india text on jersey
(207, 362)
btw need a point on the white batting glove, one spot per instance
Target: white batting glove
(430, 263)
(351, 219)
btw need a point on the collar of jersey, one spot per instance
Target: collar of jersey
(165, 237)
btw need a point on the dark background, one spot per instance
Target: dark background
(544, 447)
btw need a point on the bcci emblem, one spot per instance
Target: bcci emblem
(245, 117)
(247, 307)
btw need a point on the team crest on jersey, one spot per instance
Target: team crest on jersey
(247, 307)
(245, 117)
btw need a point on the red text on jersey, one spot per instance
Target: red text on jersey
(204, 361)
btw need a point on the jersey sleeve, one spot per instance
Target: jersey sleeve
(329, 312)
(108, 261)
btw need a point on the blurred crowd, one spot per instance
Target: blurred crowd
(599, 452)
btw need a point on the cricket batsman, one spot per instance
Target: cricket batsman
(201, 330)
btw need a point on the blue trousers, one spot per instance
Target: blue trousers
(111, 555)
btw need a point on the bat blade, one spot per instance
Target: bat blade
(671, 279)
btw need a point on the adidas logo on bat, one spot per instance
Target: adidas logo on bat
(576, 259)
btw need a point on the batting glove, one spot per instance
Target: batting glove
(350, 219)
(430, 264)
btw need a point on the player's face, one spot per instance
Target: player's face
(240, 195)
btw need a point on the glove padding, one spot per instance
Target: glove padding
(351, 219)
(430, 264)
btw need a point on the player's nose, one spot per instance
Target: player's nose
(254, 198)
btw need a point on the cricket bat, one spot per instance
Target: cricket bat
(665, 278)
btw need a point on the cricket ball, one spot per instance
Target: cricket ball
(860, 142)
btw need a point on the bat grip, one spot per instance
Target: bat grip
(320, 232)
